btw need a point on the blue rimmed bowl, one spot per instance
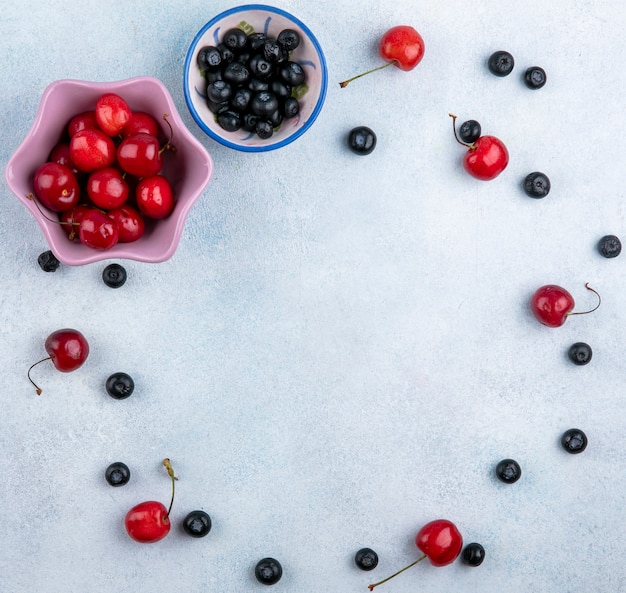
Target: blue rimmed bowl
(271, 21)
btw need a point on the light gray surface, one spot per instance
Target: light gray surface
(341, 348)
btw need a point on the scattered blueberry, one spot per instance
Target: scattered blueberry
(537, 185)
(610, 246)
(535, 77)
(362, 140)
(117, 474)
(508, 471)
(48, 262)
(268, 571)
(470, 131)
(500, 63)
(580, 353)
(473, 554)
(114, 275)
(119, 385)
(366, 559)
(574, 440)
(197, 524)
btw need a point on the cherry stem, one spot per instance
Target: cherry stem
(470, 146)
(32, 198)
(345, 83)
(170, 472)
(168, 145)
(37, 388)
(371, 587)
(590, 310)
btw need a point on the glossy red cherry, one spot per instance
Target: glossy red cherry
(140, 155)
(82, 121)
(112, 113)
(107, 188)
(149, 521)
(401, 46)
(440, 541)
(130, 223)
(486, 158)
(552, 305)
(141, 123)
(155, 197)
(91, 149)
(67, 349)
(97, 230)
(61, 154)
(56, 187)
(70, 219)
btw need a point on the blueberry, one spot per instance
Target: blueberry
(362, 140)
(236, 73)
(120, 385)
(473, 554)
(197, 524)
(500, 63)
(260, 67)
(276, 118)
(217, 108)
(537, 185)
(288, 39)
(264, 103)
(212, 75)
(264, 128)
(241, 99)
(291, 107)
(280, 89)
(291, 73)
(268, 571)
(235, 39)
(574, 441)
(535, 77)
(366, 559)
(48, 262)
(508, 471)
(114, 275)
(229, 120)
(610, 246)
(219, 91)
(272, 51)
(256, 41)
(249, 121)
(227, 54)
(470, 131)
(117, 474)
(209, 58)
(256, 85)
(580, 353)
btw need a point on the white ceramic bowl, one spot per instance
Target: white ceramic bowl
(270, 21)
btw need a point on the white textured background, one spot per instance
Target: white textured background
(340, 350)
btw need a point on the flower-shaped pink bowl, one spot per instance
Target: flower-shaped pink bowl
(188, 169)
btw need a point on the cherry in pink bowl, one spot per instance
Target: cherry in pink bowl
(188, 169)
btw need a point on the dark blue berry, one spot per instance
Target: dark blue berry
(268, 571)
(236, 73)
(249, 121)
(209, 58)
(256, 41)
(470, 131)
(362, 140)
(537, 185)
(280, 89)
(228, 55)
(508, 471)
(117, 474)
(272, 51)
(500, 63)
(288, 39)
(366, 559)
(291, 107)
(535, 77)
(260, 67)
(264, 128)
(235, 39)
(580, 353)
(114, 275)
(197, 524)
(241, 99)
(574, 441)
(257, 85)
(264, 103)
(219, 91)
(473, 554)
(610, 246)
(229, 120)
(291, 73)
(120, 385)
(48, 262)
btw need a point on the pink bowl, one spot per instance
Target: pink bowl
(188, 169)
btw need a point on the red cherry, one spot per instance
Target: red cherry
(149, 521)
(82, 121)
(97, 230)
(67, 349)
(112, 113)
(140, 155)
(155, 198)
(91, 149)
(56, 187)
(486, 158)
(70, 219)
(401, 46)
(552, 305)
(129, 221)
(440, 541)
(61, 154)
(141, 123)
(107, 188)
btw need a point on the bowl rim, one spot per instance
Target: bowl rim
(263, 147)
(126, 250)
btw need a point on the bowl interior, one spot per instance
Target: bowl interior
(270, 21)
(188, 169)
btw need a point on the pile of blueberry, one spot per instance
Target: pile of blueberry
(251, 82)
